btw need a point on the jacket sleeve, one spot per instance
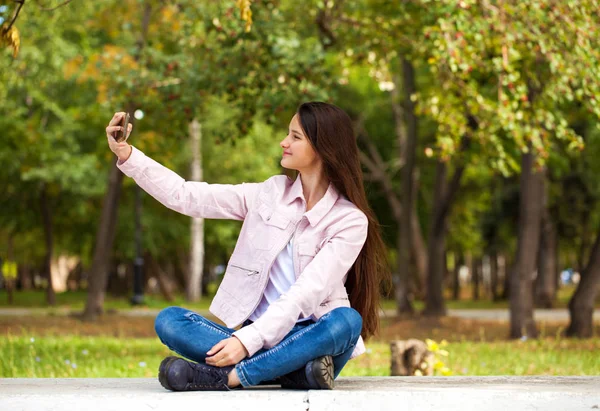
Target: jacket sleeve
(329, 266)
(191, 198)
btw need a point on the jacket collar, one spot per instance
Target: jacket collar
(315, 214)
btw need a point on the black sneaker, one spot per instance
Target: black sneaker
(316, 375)
(178, 374)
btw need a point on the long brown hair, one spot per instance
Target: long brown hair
(330, 132)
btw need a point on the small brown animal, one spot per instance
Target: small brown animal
(411, 357)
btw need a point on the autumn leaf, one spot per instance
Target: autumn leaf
(10, 38)
(246, 13)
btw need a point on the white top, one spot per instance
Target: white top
(281, 278)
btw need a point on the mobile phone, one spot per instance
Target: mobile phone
(121, 135)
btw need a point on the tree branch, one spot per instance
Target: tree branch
(369, 163)
(21, 4)
(145, 23)
(55, 7)
(398, 111)
(452, 188)
(322, 21)
(378, 170)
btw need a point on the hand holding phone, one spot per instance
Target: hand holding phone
(122, 134)
(117, 132)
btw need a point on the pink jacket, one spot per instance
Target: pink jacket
(327, 241)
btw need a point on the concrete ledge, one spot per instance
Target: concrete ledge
(366, 393)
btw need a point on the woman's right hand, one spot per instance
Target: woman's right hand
(122, 150)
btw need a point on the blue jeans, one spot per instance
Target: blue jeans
(335, 333)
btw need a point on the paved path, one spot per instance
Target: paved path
(558, 314)
(362, 393)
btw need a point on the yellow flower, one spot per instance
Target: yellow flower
(432, 345)
(446, 371)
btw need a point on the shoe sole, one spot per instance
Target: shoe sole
(322, 371)
(162, 372)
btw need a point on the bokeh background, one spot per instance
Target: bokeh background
(477, 123)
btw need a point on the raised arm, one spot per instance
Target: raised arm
(195, 199)
(192, 198)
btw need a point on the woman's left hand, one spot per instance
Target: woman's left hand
(226, 352)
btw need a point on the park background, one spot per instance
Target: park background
(477, 125)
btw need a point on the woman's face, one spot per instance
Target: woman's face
(298, 154)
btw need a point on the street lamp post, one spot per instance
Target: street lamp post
(138, 264)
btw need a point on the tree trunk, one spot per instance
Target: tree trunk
(138, 262)
(459, 261)
(508, 269)
(402, 284)
(194, 286)
(545, 284)
(434, 302)
(530, 215)
(407, 197)
(181, 268)
(476, 270)
(98, 274)
(10, 282)
(443, 199)
(25, 276)
(585, 241)
(446, 270)
(7, 271)
(49, 240)
(494, 276)
(162, 279)
(558, 265)
(374, 162)
(419, 251)
(581, 305)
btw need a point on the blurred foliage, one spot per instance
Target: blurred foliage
(527, 72)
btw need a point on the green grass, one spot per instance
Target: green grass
(534, 357)
(76, 356)
(75, 300)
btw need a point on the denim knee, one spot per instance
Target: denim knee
(165, 320)
(348, 320)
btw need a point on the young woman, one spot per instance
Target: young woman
(304, 278)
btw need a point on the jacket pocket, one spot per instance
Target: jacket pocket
(268, 229)
(248, 271)
(242, 282)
